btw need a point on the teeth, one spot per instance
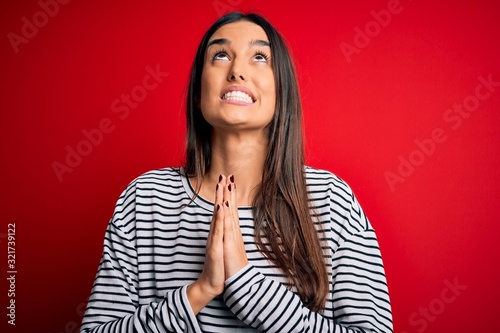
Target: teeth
(238, 96)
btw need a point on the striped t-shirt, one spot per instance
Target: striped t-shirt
(154, 248)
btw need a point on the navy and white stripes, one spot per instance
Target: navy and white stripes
(155, 246)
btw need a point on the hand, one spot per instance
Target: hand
(225, 249)
(235, 256)
(210, 283)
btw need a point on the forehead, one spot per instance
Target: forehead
(244, 31)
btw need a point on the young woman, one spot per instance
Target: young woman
(244, 237)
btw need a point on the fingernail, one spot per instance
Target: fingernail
(220, 178)
(229, 187)
(217, 187)
(218, 207)
(227, 203)
(232, 179)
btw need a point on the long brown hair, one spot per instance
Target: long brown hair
(284, 230)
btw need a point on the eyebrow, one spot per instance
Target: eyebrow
(225, 41)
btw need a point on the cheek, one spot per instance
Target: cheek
(204, 86)
(206, 94)
(210, 84)
(271, 91)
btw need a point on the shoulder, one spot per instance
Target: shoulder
(164, 180)
(160, 175)
(154, 188)
(168, 176)
(331, 195)
(323, 180)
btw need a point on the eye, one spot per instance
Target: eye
(220, 55)
(261, 57)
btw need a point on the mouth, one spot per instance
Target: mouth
(238, 94)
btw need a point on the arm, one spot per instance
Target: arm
(114, 304)
(220, 244)
(360, 298)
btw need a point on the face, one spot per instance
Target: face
(237, 82)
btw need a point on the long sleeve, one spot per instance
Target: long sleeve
(114, 304)
(359, 298)
(155, 246)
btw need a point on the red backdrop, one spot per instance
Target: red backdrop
(401, 99)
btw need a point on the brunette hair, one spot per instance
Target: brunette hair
(284, 230)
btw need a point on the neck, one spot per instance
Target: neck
(241, 155)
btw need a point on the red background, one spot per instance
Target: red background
(363, 115)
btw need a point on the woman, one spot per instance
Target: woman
(243, 237)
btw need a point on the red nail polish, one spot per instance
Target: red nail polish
(227, 203)
(229, 187)
(220, 178)
(218, 207)
(232, 179)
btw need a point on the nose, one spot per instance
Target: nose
(233, 77)
(236, 72)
